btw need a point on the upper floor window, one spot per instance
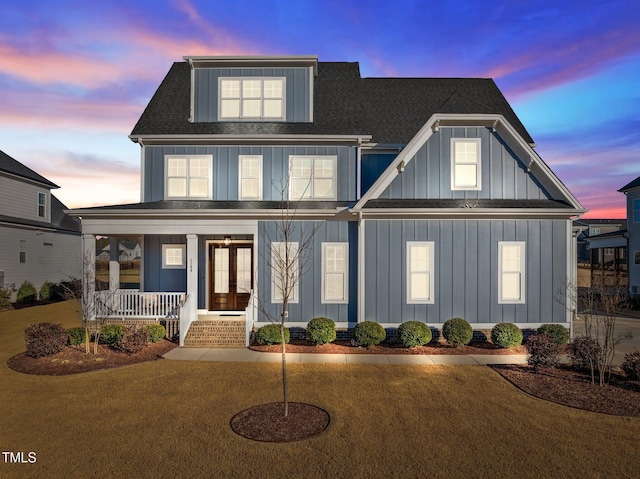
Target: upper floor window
(188, 177)
(511, 266)
(250, 177)
(594, 231)
(42, 205)
(312, 177)
(465, 164)
(252, 98)
(636, 210)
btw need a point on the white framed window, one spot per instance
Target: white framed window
(23, 251)
(188, 177)
(420, 267)
(335, 273)
(250, 177)
(594, 231)
(465, 164)
(608, 251)
(636, 210)
(42, 205)
(511, 270)
(259, 98)
(174, 256)
(285, 271)
(312, 177)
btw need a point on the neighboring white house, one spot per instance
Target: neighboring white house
(38, 241)
(127, 251)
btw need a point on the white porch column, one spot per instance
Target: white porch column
(88, 272)
(192, 286)
(114, 265)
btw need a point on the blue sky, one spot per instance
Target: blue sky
(76, 75)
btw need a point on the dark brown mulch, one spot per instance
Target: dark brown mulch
(75, 360)
(266, 422)
(563, 385)
(346, 347)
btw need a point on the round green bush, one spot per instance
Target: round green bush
(27, 293)
(44, 339)
(369, 333)
(46, 290)
(270, 334)
(457, 332)
(156, 332)
(414, 333)
(321, 331)
(133, 341)
(506, 335)
(76, 336)
(112, 333)
(556, 332)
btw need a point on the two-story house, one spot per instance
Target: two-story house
(39, 242)
(632, 192)
(429, 199)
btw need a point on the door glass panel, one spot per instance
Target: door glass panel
(221, 270)
(243, 270)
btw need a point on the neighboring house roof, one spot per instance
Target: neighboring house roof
(391, 110)
(608, 222)
(59, 220)
(14, 167)
(629, 186)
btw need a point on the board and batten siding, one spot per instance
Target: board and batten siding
(466, 270)
(225, 168)
(20, 199)
(297, 94)
(634, 243)
(310, 303)
(428, 174)
(156, 278)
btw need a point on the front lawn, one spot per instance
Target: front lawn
(171, 419)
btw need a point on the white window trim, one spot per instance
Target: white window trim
(478, 185)
(209, 158)
(45, 205)
(240, 178)
(523, 262)
(431, 246)
(23, 249)
(334, 160)
(166, 248)
(293, 299)
(345, 279)
(262, 98)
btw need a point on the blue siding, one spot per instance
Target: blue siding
(297, 95)
(310, 301)
(465, 270)
(428, 175)
(225, 168)
(156, 278)
(373, 165)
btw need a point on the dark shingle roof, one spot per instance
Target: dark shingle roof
(392, 110)
(462, 203)
(634, 184)
(14, 167)
(222, 205)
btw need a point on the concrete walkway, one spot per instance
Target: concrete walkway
(623, 325)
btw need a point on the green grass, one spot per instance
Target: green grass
(171, 419)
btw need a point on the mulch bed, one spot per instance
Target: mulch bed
(266, 422)
(347, 347)
(74, 359)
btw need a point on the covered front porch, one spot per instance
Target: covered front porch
(196, 278)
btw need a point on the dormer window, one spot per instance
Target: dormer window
(252, 98)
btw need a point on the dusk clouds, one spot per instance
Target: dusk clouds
(75, 76)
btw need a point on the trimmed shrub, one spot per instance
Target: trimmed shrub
(44, 339)
(631, 365)
(321, 331)
(156, 332)
(27, 293)
(584, 352)
(557, 332)
(112, 333)
(543, 352)
(5, 298)
(76, 336)
(413, 333)
(47, 290)
(369, 333)
(457, 332)
(270, 334)
(133, 341)
(506, 335)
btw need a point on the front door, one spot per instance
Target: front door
(231, 276)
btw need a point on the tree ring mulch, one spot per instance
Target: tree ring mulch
(266, 422)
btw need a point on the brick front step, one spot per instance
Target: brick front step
(216, 333)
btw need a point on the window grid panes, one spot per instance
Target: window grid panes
(284, 270)
(246, 98)
(188, 177)
(243, 270)
(335, 272)
(250, 177)
(512, 261)
(42, 205)
(313, 177)
(420, 287)
(221, 270)
(174, 256)
(465, 164)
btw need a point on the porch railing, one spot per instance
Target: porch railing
(135, 304)
(186, 318)
(251, 316)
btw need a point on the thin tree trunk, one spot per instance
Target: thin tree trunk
(284, 369)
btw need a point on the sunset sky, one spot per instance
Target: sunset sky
(76, 75)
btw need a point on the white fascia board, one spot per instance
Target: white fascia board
(247, 139)
(204, 61)
(137, 226)
(465, 213)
